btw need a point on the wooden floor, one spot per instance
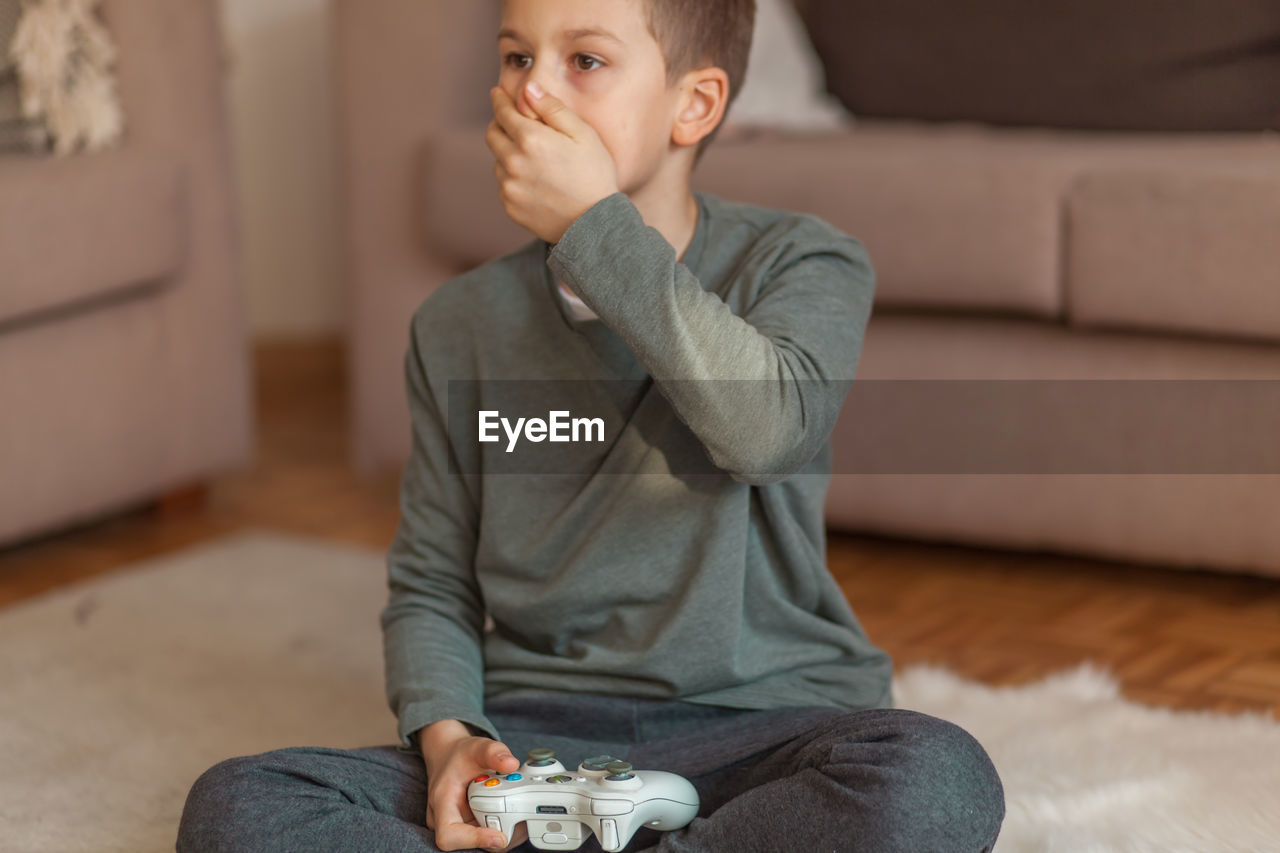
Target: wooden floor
(1175, 638)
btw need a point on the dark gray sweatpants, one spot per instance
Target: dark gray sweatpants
(794, 779)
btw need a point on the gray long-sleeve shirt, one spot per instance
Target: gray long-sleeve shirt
(630, 571)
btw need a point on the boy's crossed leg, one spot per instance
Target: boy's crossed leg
(813, 779)
(822, 779)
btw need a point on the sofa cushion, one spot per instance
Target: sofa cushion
(784, 85)
(1190, 248)
(947, 225)
(952, 219)
(81, 229)
(1101, 64)
(956, 216)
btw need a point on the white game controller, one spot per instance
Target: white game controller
(605, 796)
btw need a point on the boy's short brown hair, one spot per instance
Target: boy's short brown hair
(704, 33)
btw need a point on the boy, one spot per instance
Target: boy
(664, 598)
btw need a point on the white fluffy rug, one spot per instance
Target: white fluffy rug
(1085, 771)
(118, 692)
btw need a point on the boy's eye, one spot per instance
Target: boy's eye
(516, 60)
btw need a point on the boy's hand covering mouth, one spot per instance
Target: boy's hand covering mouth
(550, 170)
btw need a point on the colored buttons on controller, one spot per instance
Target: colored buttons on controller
(490, 783)
(560, 777)
(513, 777)
(481, 777)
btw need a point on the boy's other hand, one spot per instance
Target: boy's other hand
(550, 169)
(450, 768)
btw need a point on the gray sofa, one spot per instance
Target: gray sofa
(125, 367)
(1001, 252)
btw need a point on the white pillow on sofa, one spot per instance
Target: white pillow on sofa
(785, 85)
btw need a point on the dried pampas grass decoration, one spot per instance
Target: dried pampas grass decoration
(64, 57)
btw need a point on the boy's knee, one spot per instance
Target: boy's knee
(209, 814)
(948, 794)
(958, 784)
(964, 774)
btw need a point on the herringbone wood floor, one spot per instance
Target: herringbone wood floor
(1176, 638)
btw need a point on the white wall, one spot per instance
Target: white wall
(283, 132)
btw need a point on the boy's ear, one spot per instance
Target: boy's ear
(702, 105)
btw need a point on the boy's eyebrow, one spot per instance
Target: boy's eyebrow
(570, 35)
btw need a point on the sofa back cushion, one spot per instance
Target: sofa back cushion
(1159, 65)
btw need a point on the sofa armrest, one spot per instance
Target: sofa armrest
(84, 228)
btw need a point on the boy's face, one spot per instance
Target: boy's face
(617, 85)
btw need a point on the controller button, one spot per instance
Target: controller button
(611, 806)
(492, 782)
(494, 821)
(480, 778)
(608, 833)
(560, 778)
(555, 838)
(514, 777)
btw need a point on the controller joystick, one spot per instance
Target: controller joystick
(618, 771)
(541, 757)
(541, 762)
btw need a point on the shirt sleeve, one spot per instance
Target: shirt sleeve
(761, 391)
(433, 621)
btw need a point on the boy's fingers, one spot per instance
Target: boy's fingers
(499, 142)
(496, 756)
(453, 833)
(556, 114)
(506, 114)
(553, 112)
(464, 836)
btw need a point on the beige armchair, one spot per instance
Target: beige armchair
(124, 355)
